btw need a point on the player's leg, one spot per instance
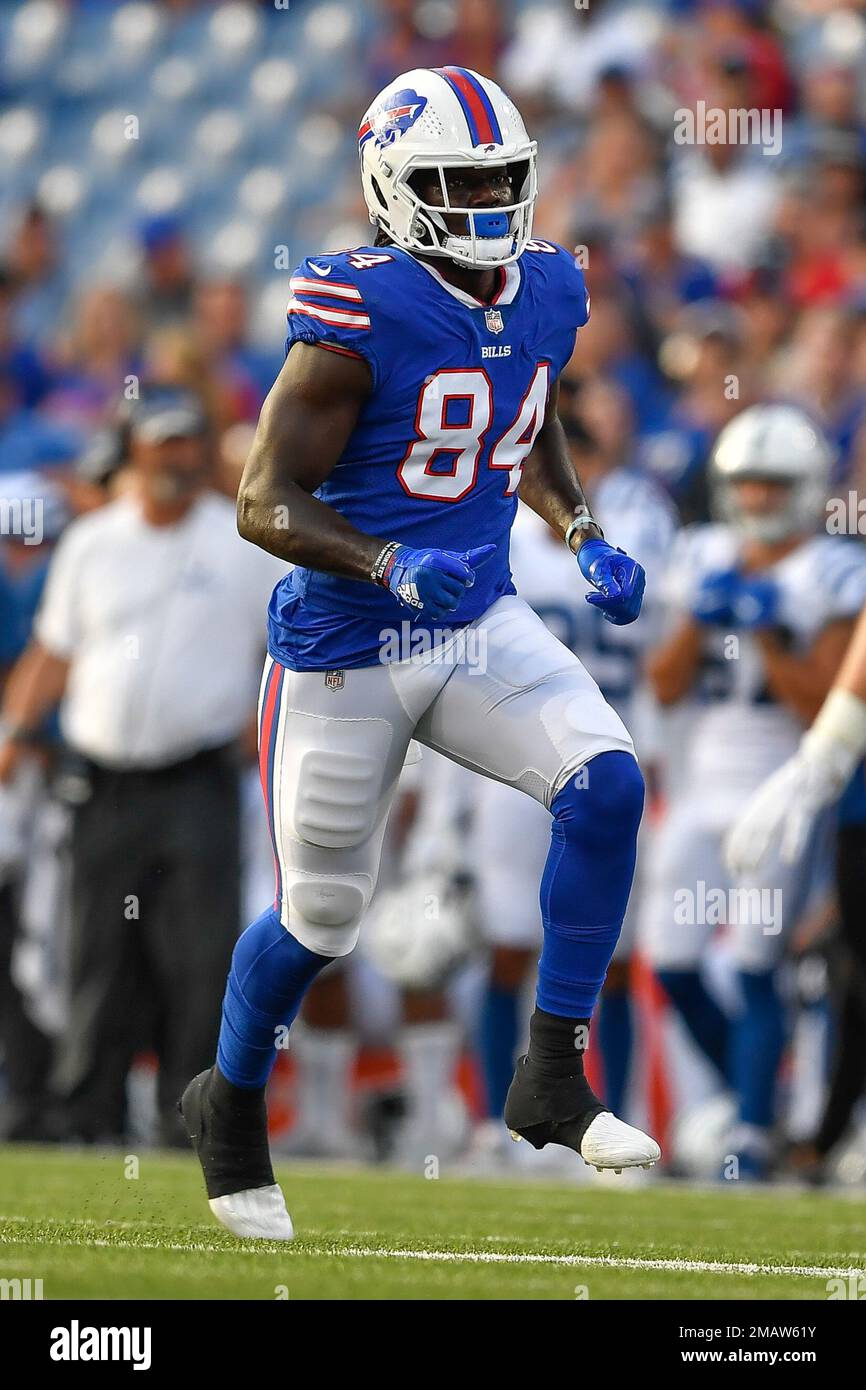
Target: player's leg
(324, 1047)
(330, 761)
(615, 1020)
(674, 929)
(511, 836)
(766, 907)
(848, 1071)
(528, 714)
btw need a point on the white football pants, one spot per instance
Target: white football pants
(502, 696)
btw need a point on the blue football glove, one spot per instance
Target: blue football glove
(434, 581)
(733, 600)
(756, 604)
(715, 597)
(620, 581)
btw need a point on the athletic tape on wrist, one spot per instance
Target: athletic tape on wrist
(384, 563)
(580, 522)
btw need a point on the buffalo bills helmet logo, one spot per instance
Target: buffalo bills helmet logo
(398, 115)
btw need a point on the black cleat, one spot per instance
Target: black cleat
(550, 1110)
(567, 1111)
(231, 1143)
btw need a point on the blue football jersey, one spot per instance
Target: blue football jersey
(459, 394)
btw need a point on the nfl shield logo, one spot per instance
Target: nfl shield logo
(335, 680)
(493, 319)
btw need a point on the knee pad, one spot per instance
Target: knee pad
(338, 785)
(324, 911)
(602, 804)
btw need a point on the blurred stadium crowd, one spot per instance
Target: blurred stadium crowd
(164, 167)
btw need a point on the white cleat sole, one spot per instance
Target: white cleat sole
(258, 1213)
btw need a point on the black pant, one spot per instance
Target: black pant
(26, 1049)
(154, 917)
(848, 1076)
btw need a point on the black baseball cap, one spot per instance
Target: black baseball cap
(165, 415)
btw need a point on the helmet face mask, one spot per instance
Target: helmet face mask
(416, 129)
(490, 235)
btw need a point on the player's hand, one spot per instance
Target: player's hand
(756, 603)
(619, 580)
(713, 603)
(729, 599)
(434, 581)
(783, 810)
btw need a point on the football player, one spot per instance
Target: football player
(763, 610)
(827, 768)
(418, 394)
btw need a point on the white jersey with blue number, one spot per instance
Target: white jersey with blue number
(732, 732)
(634, 515)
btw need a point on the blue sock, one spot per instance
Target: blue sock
(615, 1032)
(497, 1043)
(270, 975)
(587, 880)
(708, 1024)
(758, 1044)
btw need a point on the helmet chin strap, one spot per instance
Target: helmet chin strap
(459, 248)
(492, 244)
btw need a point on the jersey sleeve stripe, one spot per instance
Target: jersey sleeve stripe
(344, 318)
(343, 351)
(325, 290)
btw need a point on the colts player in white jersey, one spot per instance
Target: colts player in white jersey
(762, 606)
(511, 832)
(419, 393)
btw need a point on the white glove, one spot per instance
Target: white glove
(784, 808)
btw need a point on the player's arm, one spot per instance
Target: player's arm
(852, 672)
(784, 808)
(551, 487)
(673, 667)
(801, 682)
(304, 427)
(35, 685)
(709, 600)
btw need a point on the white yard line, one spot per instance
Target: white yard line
(604, 1261)
(493, 1257)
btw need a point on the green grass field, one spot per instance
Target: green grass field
(79, 1223)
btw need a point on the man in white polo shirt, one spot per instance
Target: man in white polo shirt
(151, 635)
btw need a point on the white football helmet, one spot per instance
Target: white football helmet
(419, 931)
(772, 443)
(433, 119)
